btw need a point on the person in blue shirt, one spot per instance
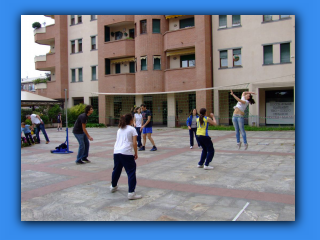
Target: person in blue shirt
(25, 128)
(192, 125)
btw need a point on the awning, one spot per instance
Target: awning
(172, 16)
(181, 52)
(30, 99)
(122, 60)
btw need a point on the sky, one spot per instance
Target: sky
(30, 49)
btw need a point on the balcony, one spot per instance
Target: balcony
(117, 83)
(45, 35)
(45, 62)
(119, 48)
(111, 20)
(181, 38)
(180, 79)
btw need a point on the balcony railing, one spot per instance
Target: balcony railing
(119, 48)
(181, 38)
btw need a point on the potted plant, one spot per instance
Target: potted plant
(125, 34)
(36, 25)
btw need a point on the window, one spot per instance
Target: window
(73, 74)
(237, 61)
(143, 26)
(156, 62)
(79, 18)
(93, 17)
(93, 43)
(267, 54)
(236, 20)
(143, 63)
(188, 60)
(107, 66)
(118, 35)
(94, 73)
(106, 34)
(267, 18)
(80, 74)
(117, 68)
(132, 67)
(188, 22)
(284, 52)
(72, 20)
(131, 33)
(222, 21)
(73, 46)
(224, 59)
(284, 16)
(80, 45)
(155, 25)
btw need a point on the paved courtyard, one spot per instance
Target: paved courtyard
(253, 185)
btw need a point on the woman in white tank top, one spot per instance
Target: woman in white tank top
(137, 122)
(238, 116)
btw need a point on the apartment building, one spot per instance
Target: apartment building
(161, 59)
(258, 50)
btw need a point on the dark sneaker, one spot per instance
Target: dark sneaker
(86, 160)
(142, 148)
(80, 162)
(153, 149)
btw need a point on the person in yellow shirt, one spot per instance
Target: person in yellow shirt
(205, 141)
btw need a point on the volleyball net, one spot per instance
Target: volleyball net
(273, 106)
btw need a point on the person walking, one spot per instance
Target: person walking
(205, 141)
(238, 116)
(137, 122)
(192, 125)
(39, 124)
(59, 121)
(125, 155)
(82, 135)
(146, 128)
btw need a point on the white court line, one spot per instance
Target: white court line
(236, 217)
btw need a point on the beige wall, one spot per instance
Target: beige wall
(83, 60)
(250, 37)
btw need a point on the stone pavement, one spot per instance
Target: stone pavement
(253, 185)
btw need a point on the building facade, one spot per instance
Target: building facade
(115, 62)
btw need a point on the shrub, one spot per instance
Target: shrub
(39, 80)
(25, 112)
(74, 112)
(45, 119)
(36, 25)
(94, 117)
(53, 113)
(27, 121)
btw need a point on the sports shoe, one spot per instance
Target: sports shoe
(246, 145)
(191, 147)
(199, 147)
(80, 162)
(142, 148)
(200, 166)
(113, 189)
(86, 160)
(207, 167)
(47, 142)
(154, 148)
(132, 196)
(239, 145)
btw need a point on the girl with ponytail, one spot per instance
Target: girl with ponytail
(125, 154)
(205, 141)
(238, 116)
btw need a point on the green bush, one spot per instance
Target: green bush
(45, 119)
(28, 122)
(25, 112)
(94, 117)
(36, 25)
(53, 113)
(39, 80)
(95, 125)
(74, 112)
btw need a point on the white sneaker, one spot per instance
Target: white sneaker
(132, 196)
(191, 147)
(207, 167)
(113, 189)
(239, 145)
(246, 145)
(199, 147)
(200, 166)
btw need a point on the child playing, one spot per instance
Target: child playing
(27, 132)
(125, 154)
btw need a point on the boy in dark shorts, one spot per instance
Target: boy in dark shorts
(146, 128)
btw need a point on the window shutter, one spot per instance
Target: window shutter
(157, 64)
(94, 73)
(132, 68)
(267, 54)
(267, 18)
(235, 19)
(189, 22)
(222, 20)
(236, 51)
(285, 52)
(118, 68)
(107, 66)
(80, 74)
